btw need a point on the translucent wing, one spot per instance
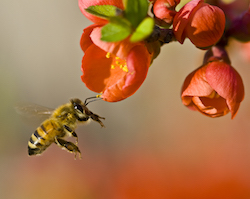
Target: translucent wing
(33, 112)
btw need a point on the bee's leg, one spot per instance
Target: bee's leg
(97, 119)
(69, 146)
(73, 133)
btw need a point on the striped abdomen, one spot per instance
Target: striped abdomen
(43, 137)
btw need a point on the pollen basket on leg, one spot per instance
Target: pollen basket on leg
(117, 62)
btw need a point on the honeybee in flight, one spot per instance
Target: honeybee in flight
(62, 123)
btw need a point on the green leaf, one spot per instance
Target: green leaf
(136, 11)
(103, 11)
(116, 30)
(144, 29)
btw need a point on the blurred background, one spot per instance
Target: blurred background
(152, 146)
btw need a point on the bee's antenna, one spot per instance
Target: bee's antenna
(95, 98)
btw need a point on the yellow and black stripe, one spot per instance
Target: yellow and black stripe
(37, 143)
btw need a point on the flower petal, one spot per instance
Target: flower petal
(226, 81)
(138, 62)
(202, 23)
(197, 95)
(212, 107)
(95, 68)
(195, 85)
(86, 41)
(207, 25)
(115, 84)
(181, 20)
(119, 49)
(165, 10)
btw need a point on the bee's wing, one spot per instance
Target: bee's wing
(33, 112)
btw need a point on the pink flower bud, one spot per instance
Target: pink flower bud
(202, 23)
(214, 89)
(164, 11)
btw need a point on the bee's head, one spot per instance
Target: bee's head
(82, 113)
(80, 109)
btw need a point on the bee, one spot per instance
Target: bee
(62, 123)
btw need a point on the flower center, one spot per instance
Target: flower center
(117, 62)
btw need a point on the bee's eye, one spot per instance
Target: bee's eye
(78, 108)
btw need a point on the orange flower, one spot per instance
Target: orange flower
(214, 89)
(114, 69)
(202, 23)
